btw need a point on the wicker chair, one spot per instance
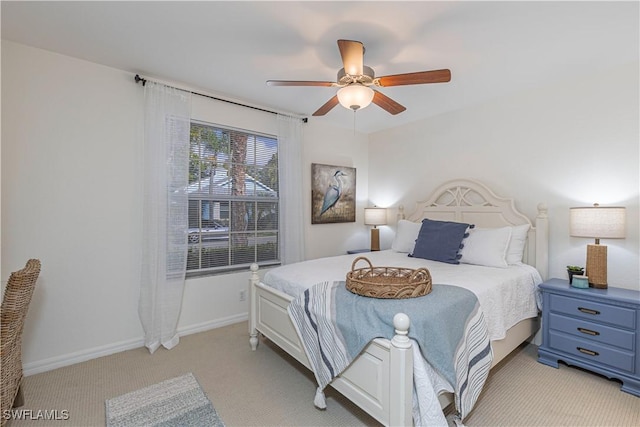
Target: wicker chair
(15, 304)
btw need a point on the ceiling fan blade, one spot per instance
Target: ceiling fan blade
(352, 53)
(386, 103)
(327, 106)
(298, 83)
(421, 77)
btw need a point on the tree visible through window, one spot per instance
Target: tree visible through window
(233, 199)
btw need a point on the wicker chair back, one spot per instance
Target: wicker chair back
(15, 304)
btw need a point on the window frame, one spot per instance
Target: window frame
(251, 230)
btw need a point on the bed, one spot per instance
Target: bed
(381, 379)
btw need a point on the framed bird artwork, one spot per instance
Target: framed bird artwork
(333, 194)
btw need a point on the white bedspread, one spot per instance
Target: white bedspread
(506, 295)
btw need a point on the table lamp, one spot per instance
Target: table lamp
(599, 223)
(375, 216)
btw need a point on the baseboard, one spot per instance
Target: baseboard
(213, 324)
(52, 363)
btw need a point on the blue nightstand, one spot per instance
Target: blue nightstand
(595, 329)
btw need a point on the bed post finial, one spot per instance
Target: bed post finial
(401, 212)
(543, 211)
(401, 323)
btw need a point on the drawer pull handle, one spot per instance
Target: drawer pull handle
(589, 311)
(589, 352)
(588, 331)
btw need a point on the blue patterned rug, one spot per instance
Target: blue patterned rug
(175, 402)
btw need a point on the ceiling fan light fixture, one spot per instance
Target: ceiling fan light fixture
(355, 96)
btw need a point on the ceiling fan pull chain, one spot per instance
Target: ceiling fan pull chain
(354, 122)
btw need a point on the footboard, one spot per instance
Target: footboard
(268, 316)
(380, 380)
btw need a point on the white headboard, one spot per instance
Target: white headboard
(465, 200)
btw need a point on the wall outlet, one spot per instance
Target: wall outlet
(243, 295)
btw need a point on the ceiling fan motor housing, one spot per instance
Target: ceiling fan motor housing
(366, 78)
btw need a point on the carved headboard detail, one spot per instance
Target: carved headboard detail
(465, 200)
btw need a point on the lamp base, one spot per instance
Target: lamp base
(375, 239)
(597, 266)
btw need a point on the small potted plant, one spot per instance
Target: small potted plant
(574, 270)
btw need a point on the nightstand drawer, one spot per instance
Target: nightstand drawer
(591, 331)
(593, 311)
(590, 351)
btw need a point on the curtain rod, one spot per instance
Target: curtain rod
(139, 79)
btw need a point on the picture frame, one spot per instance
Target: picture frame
(333, 194)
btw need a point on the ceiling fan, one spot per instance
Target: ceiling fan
(355, 81)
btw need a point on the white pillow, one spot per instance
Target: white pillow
(515, 252)
(406, 235)
(486, 246)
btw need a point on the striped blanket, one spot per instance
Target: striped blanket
(335, 325)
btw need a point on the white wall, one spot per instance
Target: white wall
(71, 172)
(570, 144)
(70, 164)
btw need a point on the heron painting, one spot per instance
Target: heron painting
(333, 194)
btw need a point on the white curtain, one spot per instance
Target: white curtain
(291, 192)
(165, 210)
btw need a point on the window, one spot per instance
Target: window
(233, 199)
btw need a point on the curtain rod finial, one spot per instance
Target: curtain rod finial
(140, 79)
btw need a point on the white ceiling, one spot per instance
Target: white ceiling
(231, 48)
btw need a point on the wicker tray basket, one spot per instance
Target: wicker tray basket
(388, 282)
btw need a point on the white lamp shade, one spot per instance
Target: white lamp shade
(355, 96)
(375, 216)
(598, 222)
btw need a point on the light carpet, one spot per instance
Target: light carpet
(174, 402)
(267, 387)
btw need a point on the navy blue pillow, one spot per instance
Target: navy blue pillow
(440, 240)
